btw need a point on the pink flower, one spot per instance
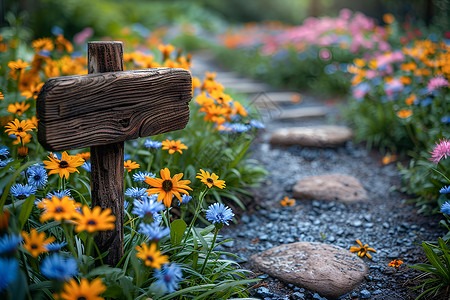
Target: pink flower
(442, 150)
(436, 83)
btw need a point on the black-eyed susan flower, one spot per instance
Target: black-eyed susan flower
(130, 165)
(18, 65)
(19, 128)
(33, 91)
(287, 202)
(151, 256)
(59, 209)
(166, 50)
(210, 179)
(42, 44)
(64, 166)
(94, 220)
(86, 290)
(167, 186)
(362, 250)
(18, 108)
(395, 263)
(173, 146)
(35, 242)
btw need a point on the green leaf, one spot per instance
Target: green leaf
(177, 229)
(435, 261)
(25, 211)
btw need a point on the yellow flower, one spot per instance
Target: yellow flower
(95, 220)
(84, 290)
(173, 146)
(18, 65)
(167, 186)
(404, 113)
(64, 166)
(59, 209)
(287, 202)
(84, 155)
(239, 109)
(362, 250)
(19, 128)
(42, 44)
(395, 263)
(130, 165)
(151, 256)
(166, 50)
(33, 91)
(18, 108)
(210, 179)
(35, 242)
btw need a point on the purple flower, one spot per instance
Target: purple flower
(442, 150)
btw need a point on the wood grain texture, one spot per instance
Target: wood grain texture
(96, 109)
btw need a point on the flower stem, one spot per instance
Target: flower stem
(197, 211)
(216, 231)
(69, 239)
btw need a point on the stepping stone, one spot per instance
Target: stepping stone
(318, 136)
(304, 112)
(330, 187)
(284, 97)
(329, 270)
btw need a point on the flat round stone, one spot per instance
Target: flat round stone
(317, 136)
(326, 269)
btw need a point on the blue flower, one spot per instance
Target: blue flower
(59, 267)
(9, 243)
(427, 101)
(445, 119)
(140, 176)
(4, 150)
(152, 144)
(126, 204)
(237, 127)
(257, 124)
(135, 192)
(168, 277)
(21, 191)
(185, 199)
(147, 206)
(53, 247)
(154, 231)
(8, 272)
(219, 213)
(445, 208)
(86, 166)
(3, 163)
(37, 176)
(59, 194)
(56, 30)
(445, 190)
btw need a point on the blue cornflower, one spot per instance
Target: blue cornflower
(445, 208)
(154, 231)
(3, 163)
(9, 243)
(59, 267)
(152, 144)
(56, 30)
(37, 176)
(86, 166)
(168, 277)
(185, 199)
(140, 176)
(147, 207)
(445, 119)
(237, 127)
(8, 272)
(126, 204)
(135, 192)
(53, 247)
(445, 190)
(22, 191)
(4, 150)
(219, 213)
(59, 194)
(257, 124)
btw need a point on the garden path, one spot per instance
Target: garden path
(380, 217)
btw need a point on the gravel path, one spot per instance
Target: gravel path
(385, 221)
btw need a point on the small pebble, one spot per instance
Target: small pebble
(364, 294)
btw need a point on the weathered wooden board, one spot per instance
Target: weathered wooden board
(97, 109)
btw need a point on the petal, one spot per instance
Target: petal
(359, 242)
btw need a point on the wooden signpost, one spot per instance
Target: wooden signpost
(103, 109)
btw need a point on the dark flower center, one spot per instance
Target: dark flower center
(59, 209)
(21, 197)
(18, 110)
(63, 164)
(210, 180)
(167, 278)
(81, 298)
(150, 258)
(19, 129)
(34, 246)
(92, 222)
(174, 147)
(167, 185)
(37, 177)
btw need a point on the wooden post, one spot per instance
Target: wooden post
(107, 169)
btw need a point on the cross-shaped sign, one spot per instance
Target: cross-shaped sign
(103, 109)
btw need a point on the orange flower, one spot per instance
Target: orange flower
(296, 98)
(410, 100)
(18, 65)
(167, 186)
(362, 250)
(173, 146)
(42, 44)
(94, 220)
(19, 128)
(404, 113)
(388, 18)
(166, 50)
(2, 96)
(395, 263)
(130, 165)
(62, 44)
(33, 91)
(18, 108)
(22, 151)
(287, 202)
(239, 109)
(4, 219)
(35, 242)
(64, 166)
(84, 155)
(210, 179)
(58, 209)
